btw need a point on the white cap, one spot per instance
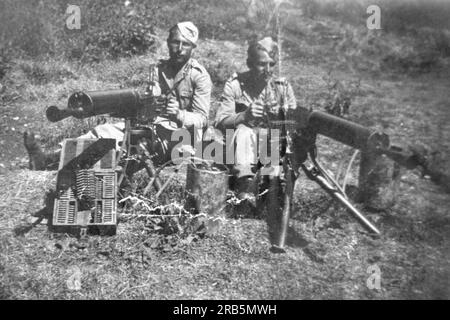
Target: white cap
(188, 31)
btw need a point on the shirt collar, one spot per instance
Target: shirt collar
(179, 76)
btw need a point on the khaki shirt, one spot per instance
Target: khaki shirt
(236, 98)
(192, 87)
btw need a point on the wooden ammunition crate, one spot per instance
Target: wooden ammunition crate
(86, 187)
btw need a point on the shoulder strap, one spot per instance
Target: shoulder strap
(281, 85)
(153, 75)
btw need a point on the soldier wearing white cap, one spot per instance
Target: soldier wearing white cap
(181, 78)
(249, 102)
(186, 80)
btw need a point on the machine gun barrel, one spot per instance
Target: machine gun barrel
(342, 130)
(54, 114)
(347, 132)
(120, 103)
(355, 135)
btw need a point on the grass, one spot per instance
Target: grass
(328, 254)
(327, 257)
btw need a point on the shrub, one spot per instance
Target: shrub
(111, 29)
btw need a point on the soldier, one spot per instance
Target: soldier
(250, 103)
(181, 78)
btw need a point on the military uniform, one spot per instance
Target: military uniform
(237, 96)
(191, 86)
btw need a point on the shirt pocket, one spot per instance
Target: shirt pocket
(186, 96)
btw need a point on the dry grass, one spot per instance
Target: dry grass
(328, 254)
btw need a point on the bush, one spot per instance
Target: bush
(43, 72)
(414, 35)
(398, 16)
(111, 29)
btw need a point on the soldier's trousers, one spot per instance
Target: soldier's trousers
(256, 147)
(117, 131)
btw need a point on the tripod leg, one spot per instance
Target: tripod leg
(154, 179)
(146, 161)
(273, 212)
(287, 208)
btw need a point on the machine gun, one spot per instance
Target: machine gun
(86, 188)
(139, 109)
(371, 143)
(121, 103)
(136, 108)
(301, 137)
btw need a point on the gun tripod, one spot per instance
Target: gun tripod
(140, 152)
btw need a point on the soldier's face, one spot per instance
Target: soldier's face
(262, 65)
(180, 49)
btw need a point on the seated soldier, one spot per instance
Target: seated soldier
(181, 78)
(250, 104)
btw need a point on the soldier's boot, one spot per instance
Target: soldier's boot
(38, 159)
(245, 188)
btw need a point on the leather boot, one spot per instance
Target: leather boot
(245, 188)
(38, 159)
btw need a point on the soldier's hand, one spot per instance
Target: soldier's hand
(255, 110)
(173, 107)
